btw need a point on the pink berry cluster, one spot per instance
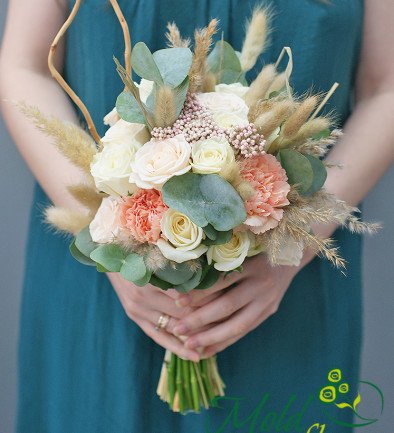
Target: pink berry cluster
(246, 141)
(194, 122)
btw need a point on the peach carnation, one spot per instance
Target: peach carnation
(269, 181)
(141, 214)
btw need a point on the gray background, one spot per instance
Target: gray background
(378, 355)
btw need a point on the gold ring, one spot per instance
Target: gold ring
(162, 322)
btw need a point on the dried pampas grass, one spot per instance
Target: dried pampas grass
(266, 123)
(71, 140)
(299, 117)
(66, 220)
(257, 30)
(202, 45)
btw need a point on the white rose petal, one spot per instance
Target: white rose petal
(111, 168)
(211, 155)
(111, 118)
(178, 255)
(231, 255)
(145, 88)
(254, 248)
(235, 89)
(159, 160)
(106, 223)
(227, 109)
(291, 253)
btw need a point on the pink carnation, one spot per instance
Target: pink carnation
(269, 180)
(141, 214)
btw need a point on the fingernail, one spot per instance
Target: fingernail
(182, 302)
(181, 329)
(193, 356)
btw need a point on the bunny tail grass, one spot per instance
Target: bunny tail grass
(71, 140)
(165, 109)
(174, 38)
(66, 220)
(260, 85)
(86, 195)
(202, 44)
(257, 30)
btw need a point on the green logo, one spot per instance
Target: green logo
(335, 392)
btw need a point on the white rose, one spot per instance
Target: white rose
(211, 155)
(235, 89)
(105, 226)
(291, 253)
(111, 168)
(159, 160)
(123, 132)
(228, 109)
(112, 117)
(254, 247)
(145, 88)
(231, 255)
(182, 237)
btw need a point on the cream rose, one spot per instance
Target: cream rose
(235, 89)
(145, 88)
(182, 238)
(111, 168)
(228, 109)
(158, 160)
(231, 255)
(291, 253)
(105, 226)
(112, 117)
(254, 247)
(211, 155)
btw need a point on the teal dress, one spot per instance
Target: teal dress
(85, 367)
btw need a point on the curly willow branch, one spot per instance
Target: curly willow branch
(56, 75)
(126, 35)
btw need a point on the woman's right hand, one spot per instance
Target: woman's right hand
(144, 305)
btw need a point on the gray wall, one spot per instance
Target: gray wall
(378, 357)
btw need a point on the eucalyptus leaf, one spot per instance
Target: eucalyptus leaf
(101, 268)
(180, 95)
(190, 284)
(133, 268)
(205, 199)
(298, 169)
(110, 256)
(144, 280)
(174, 64)
(144, 64)
(128, 108)
(319, 174)
(210, 232)
(158, 282)
(175, 276)
(210, 278)
(84, 242)
(221, 238)
(80, 257)
(224, 62)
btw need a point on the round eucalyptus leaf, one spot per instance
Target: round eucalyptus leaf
(81, 258)
(190, 284)
(84, 242)
(178, 275)
(319, 174)
(109, 256)
(128, 108)
(133, 268)
(298, 169)
(173, 64)
(144, 64)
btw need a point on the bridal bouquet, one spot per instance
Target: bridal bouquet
(198, 171)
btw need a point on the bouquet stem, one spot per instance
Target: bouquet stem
(187, 386)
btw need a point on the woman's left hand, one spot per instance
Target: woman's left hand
(257, 294)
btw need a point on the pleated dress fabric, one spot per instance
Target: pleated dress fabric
(84, 366)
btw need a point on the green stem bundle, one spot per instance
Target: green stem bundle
(187, 386)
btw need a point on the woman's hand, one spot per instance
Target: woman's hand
(255, 296)
(144, 305)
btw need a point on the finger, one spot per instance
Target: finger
(215, 311)
(217, 348)
(168, 341)
(235, 327)
(166, 305)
